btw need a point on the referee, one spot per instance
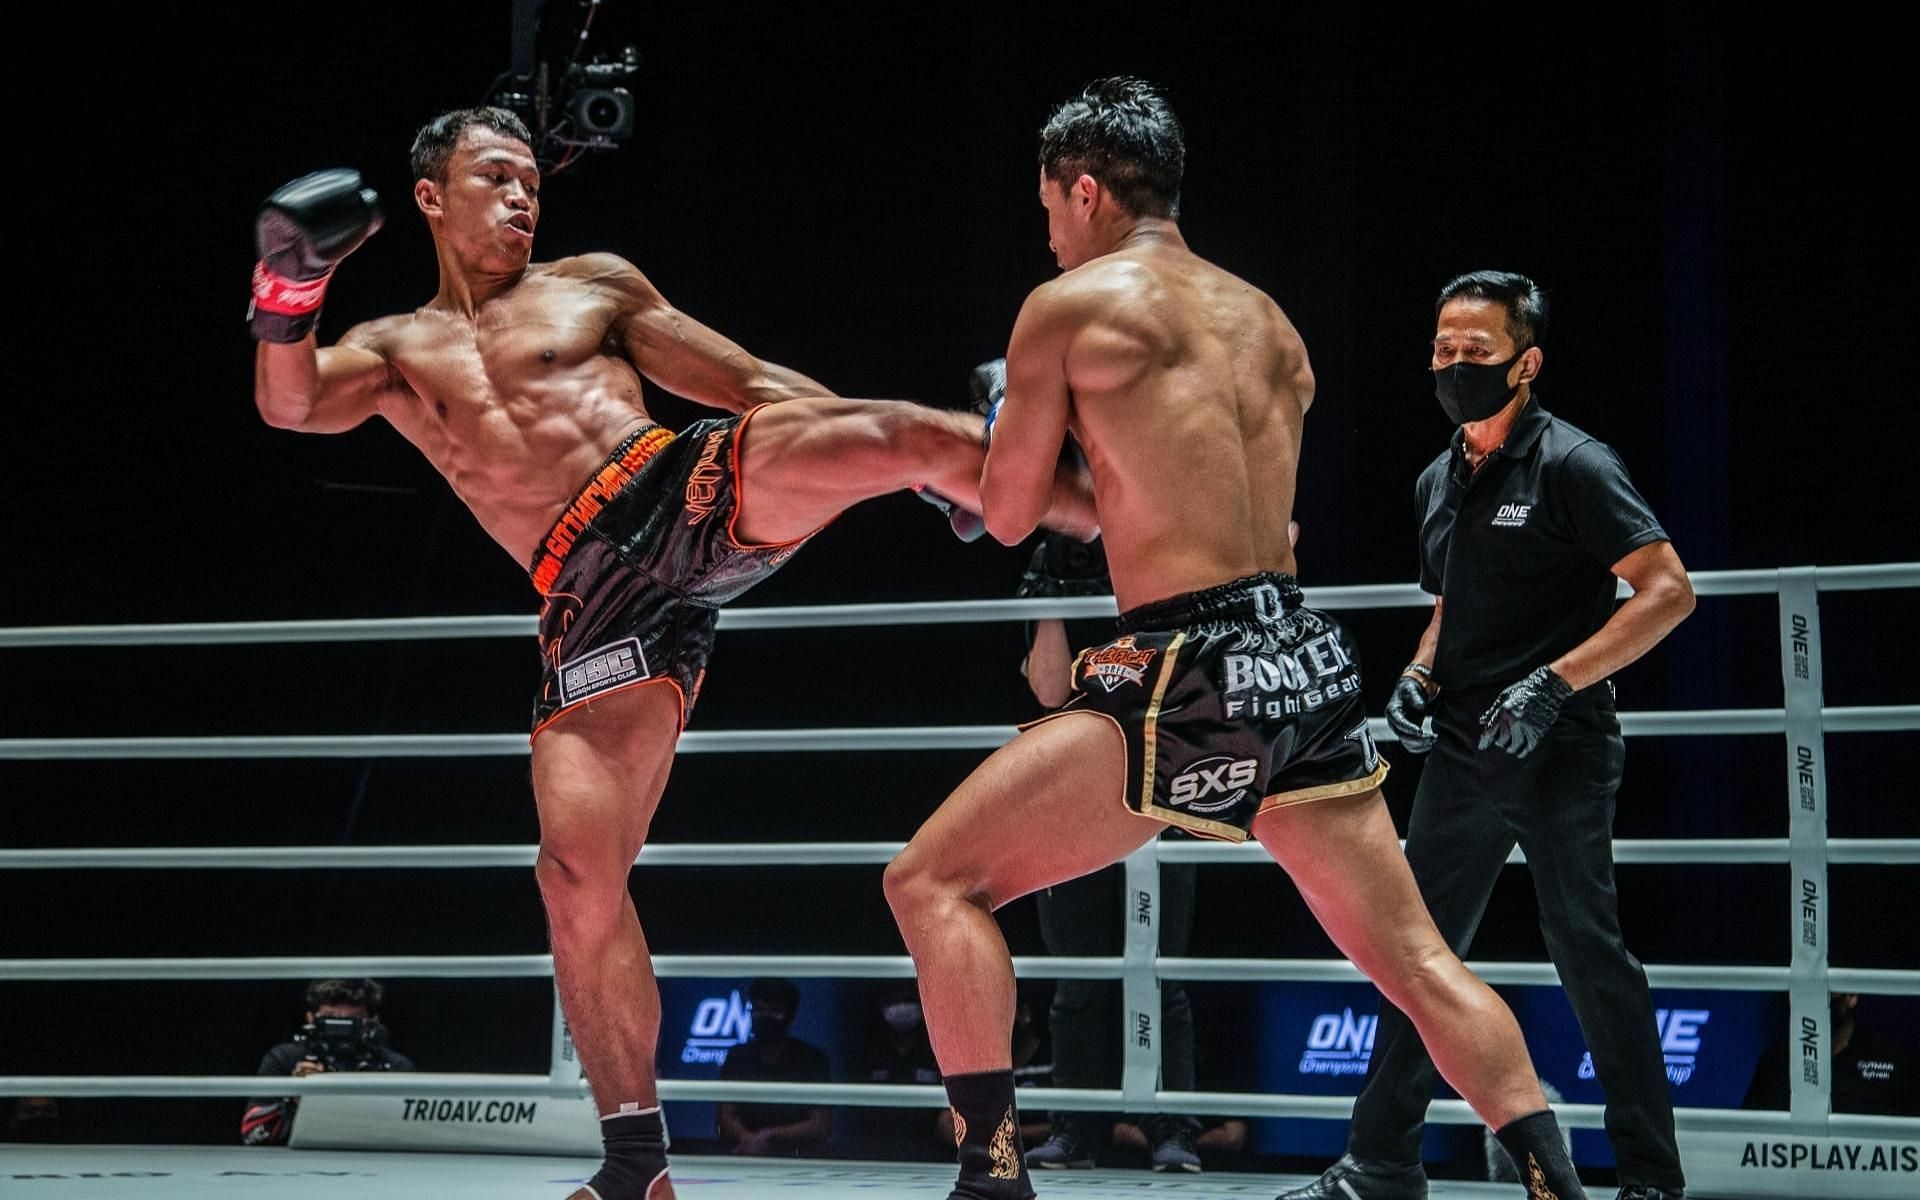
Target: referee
(1525, 522)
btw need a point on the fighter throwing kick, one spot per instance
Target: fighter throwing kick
(520, 382)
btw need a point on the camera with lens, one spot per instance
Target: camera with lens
(602, 112)
(570, 106)
(344, 1043)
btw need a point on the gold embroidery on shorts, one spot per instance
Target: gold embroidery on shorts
(959, 1126)
(1537, 1180)
(1150, 726)
(1006, 1164)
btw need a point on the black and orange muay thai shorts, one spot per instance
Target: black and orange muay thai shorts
(638, 565)
(1232, 701)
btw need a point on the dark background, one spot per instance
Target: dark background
(1716, 222)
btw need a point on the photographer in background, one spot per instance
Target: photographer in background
(343, 1033)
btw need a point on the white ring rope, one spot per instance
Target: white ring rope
(1391, 595)
(846, 966)
(1626, 851)
(1721, 722)
(1867, 719)
(1703, 722)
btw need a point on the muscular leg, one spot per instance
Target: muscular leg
(1043, 808)
(1345, 859)
(1456, 845)
(597, 777)
(804, 462)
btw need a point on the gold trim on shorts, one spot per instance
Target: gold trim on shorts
(1219, 830)
(1325, 791)
(1150, 725)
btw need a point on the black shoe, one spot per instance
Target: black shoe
(1175, 1152)
(1646, 1191)
(1364, 1179)
(1061, 1152)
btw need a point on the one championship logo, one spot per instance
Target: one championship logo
(1115, 664)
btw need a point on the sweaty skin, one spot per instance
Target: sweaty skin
(1187, 388)
(517, 379)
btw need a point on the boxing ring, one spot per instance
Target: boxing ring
(1803, 1152)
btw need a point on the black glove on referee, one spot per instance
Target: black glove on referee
(1407, 711)
(1520, 717)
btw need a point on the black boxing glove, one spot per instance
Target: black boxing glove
(987, 386)
(1408, 709)
(303, 231)
(1521, 715)
(1065, 566)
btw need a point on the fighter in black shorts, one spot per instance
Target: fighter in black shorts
(637, 566)
(1225, 706)
(1232, 700)
(521, 383)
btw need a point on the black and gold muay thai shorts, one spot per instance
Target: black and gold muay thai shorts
(1232, 700)
(639, 563)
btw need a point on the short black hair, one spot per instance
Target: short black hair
(780, 992)
(1525, 303)
(364, 992)
(434, 144)
(1122, 132)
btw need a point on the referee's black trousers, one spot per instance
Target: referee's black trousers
(1557, 803)
(1088, 917)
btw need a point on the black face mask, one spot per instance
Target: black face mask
(1473, 391)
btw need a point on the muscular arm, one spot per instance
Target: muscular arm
(1662, 598)
(1016, 485)
(1429, 645)
(684, 356)
(298, 387)
(1046, 665)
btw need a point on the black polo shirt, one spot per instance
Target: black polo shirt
(1522, 550)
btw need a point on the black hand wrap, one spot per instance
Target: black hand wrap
(302, 232)
(1520, 717)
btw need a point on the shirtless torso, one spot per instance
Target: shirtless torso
(1188, 388)
(517, 403)
(521, 383)
(1225, 704)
